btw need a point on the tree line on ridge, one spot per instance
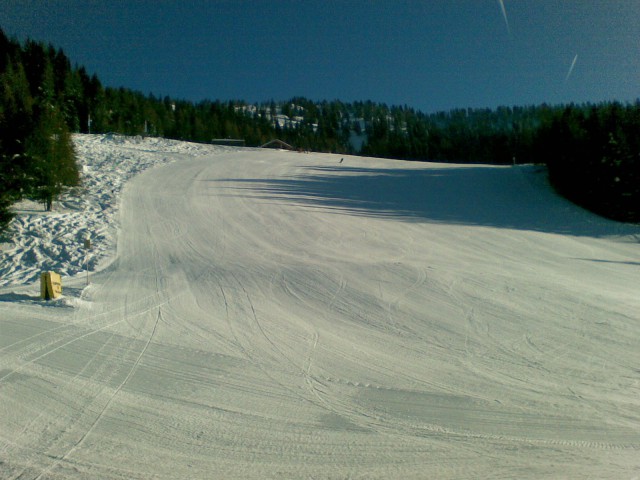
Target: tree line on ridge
(592, 150)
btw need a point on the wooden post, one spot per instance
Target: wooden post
(87, 247)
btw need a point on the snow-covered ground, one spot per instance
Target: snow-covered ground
(280, 315)
(39, 240)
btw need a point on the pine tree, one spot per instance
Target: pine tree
(52, 159)
(49, 149)
(16, 107)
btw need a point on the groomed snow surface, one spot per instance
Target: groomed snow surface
(274, 314)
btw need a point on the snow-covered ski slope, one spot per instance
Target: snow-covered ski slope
(282, 315)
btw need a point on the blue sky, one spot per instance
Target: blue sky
(429, 54)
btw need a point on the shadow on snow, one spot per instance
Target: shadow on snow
(480, 195)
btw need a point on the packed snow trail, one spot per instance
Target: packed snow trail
(282, 315)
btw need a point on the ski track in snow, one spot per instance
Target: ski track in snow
(272, 314)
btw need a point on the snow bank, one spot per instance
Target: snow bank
(37, 240)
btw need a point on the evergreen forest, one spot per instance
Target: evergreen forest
(592, 151)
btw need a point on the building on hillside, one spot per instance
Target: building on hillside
(277, 144)
(230, 142)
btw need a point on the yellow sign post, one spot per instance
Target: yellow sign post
(50, 285)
